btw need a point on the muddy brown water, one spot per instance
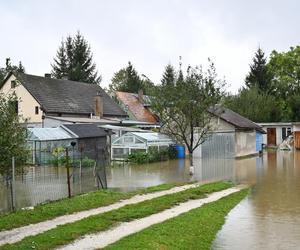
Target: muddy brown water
(269, 218)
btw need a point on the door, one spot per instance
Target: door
(297, 139)
(271, 136)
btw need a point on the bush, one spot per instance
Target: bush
(153, 155)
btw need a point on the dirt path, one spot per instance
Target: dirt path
(102, 239)
(17, 234)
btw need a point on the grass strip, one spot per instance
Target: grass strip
(195, 229)
(67, 233)
(75, 204)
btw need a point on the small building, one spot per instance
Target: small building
(91, 142)
(138, 142)
(42, 141)
(232, 136)
(276, 132)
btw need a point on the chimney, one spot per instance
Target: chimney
(141, 96)
(98, 102)
(47, 75)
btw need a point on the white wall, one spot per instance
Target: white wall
(245, 143)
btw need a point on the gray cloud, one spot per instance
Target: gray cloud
(149, 33)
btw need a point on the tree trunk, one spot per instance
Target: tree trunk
(191, 159)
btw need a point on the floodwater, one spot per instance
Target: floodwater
(269, 218)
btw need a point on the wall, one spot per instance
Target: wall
(27, 103)
(219, 125)
(217, 146)
(245, 143)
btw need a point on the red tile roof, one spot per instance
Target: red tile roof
(136, 108)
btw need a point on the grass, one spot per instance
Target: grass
(193, 230)
(65, 234)
(72, 205)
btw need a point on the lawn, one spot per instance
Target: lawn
(65, 234)
(72, 205)
(196, 229)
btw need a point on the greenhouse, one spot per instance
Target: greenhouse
(138, 142)
(43, 141)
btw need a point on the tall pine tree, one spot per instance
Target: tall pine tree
(259, 76)
(169, 75)
(74, 60)
(127, 80)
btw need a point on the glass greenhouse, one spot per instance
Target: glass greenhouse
(42, 141)
(138, 141)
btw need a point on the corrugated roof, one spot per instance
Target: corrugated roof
(48, 134)
(64, 96)
(152, 136)
(85, 130)
(137, 108)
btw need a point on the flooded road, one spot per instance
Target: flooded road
(269, 218)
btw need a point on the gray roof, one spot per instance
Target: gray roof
(67, 97)
(85, 130)
(48, 134)
(240, 122)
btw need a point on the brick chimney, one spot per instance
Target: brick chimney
(98, 105)
(141, 96)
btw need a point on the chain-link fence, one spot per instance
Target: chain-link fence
(70, 172)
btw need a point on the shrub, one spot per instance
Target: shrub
(153, 155)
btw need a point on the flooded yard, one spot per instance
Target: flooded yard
(268, 218)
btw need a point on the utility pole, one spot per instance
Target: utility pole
(68, 173)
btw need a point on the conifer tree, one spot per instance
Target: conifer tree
(127, 80)
(259, 76)
(169, 75)
(74, 60)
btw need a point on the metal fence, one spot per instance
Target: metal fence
(73, 173)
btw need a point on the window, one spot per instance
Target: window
(289, 131)
(36, 110)
(13, 84)
(283, 133)
(128, 139)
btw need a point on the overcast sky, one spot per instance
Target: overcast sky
(150, 34)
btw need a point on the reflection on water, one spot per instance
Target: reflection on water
(40, 184)
(269, 217)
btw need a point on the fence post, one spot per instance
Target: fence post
(68, 173)
(13, 184)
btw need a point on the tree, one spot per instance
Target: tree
(255, 105)
(169, 75)
(183, 107)
(259, 75)
(10, 68)
(12, 135)
(128, 80)
(74, 60)
(285, 67)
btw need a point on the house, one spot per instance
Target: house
(48, 102)
(277, 132)
(138, 107)
(88, 140)
(232, 136)
(138, 142)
